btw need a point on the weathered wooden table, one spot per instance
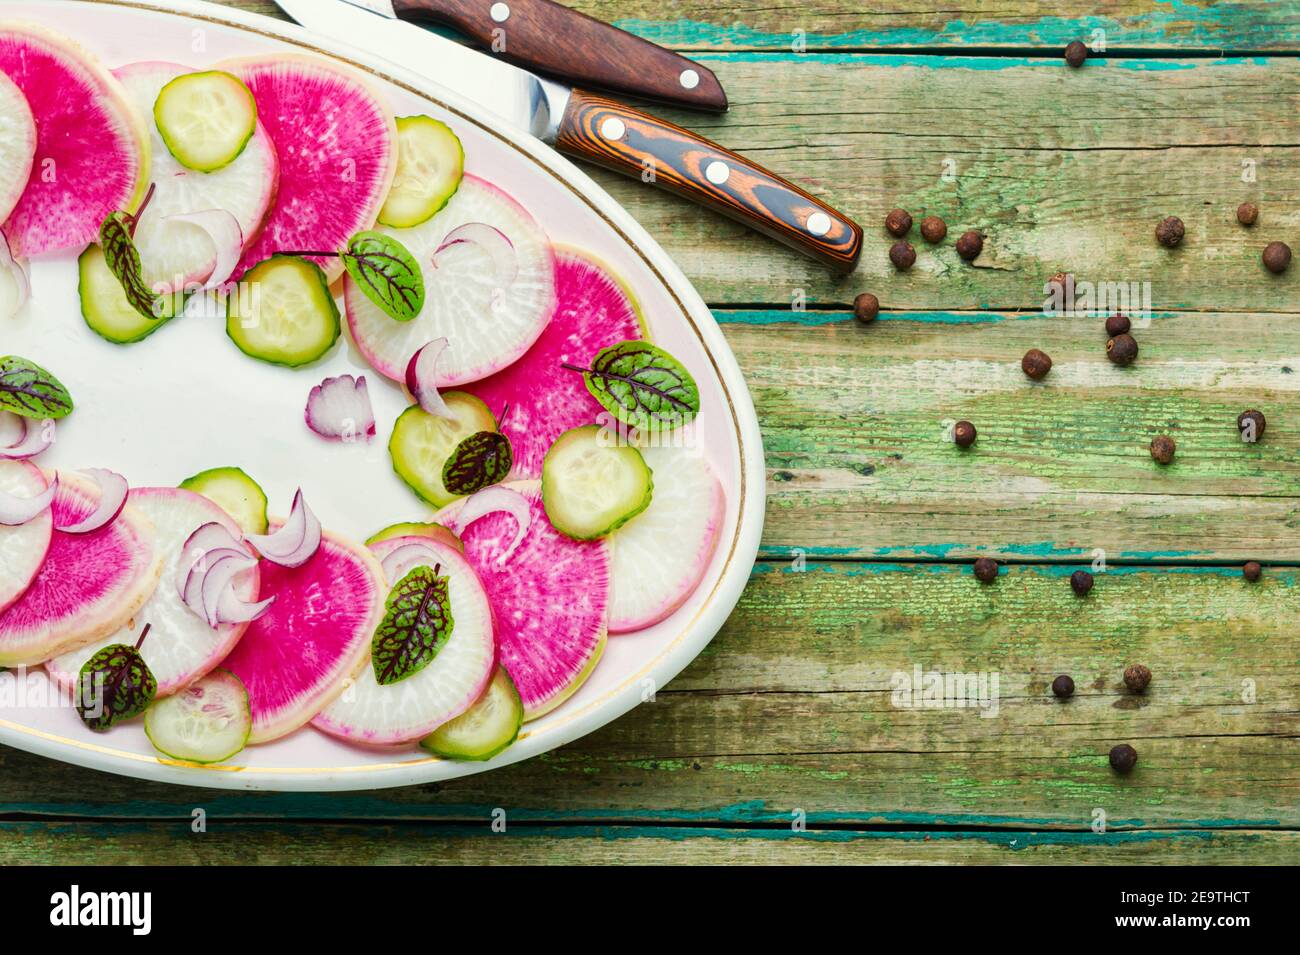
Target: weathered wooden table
(967, 111)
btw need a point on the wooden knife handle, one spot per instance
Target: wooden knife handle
(547, 36)
(629, 141)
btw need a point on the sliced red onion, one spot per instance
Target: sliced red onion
(223, 229)
(20, 510)
(296, 542)
(211, 546)
(113, 491)
(209, 543)
(220, 579)
(16, 271)
(339, 409)
(231, 609)
(505, 262)
(490, 500)
(422, 378)
(34, 437)
(399, 561)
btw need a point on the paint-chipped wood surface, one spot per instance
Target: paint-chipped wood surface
(784, 741)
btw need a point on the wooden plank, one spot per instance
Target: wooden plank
(860, 463)
(791, 708)
(279, 844)
(833, 25)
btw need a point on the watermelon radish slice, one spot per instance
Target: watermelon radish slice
(177, 254)
(448, 686)
(550, 599)
(89, 586)
(487, 326)
(181, 647)
(592, 311)
(17, 145)
(337, 145)
(658, 558)
(22, 548)
(92, 146)
(296, 658)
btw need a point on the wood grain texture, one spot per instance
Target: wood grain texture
(672, 158)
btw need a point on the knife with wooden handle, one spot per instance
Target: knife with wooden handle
(587, 125)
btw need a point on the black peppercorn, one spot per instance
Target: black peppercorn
(1075, 54)
(986, 570)
(970, 245)
(963, 434)
(1081, 582)
(1170, 232)
(1137, 678)
(1036, 364)
(1123, 758)
(1122, 349)
(933, 229)
(866, 307)
(1251, 425)
(898, 223)
(902, 255)
(1117, 325)
(1163, 448)
(1247, 213)
(1252, 571)
(1063, 687)
(1277, 256)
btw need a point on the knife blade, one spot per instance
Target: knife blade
(598, 129)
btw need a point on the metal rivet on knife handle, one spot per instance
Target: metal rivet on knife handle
(689, 79)
(613, 128)
(500, 12)
(717, 172)
(819, 223)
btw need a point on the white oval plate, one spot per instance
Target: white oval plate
(186, 399)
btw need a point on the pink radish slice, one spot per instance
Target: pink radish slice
(297, 658)
(22, 548)
(487, 325)
(17, 146)
(337, 143)
(549, 599)
(181, 647)
(422, 379)
(113, 491)
(33, 436)
(178, 251)
(339, 409)
(496, 500)
(296, 542)
(658, 558)
(448, 686)
(592, 310)
(90, 585)
(92, 152)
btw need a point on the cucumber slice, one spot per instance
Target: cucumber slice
(104, 305)
(283, 312)
(486, 728)
(421, 443)
(207, 722)
(205, 119)
(430, 164)
(417, 529)
(592, 485)
(235, 493)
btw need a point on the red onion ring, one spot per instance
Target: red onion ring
(339, 409)
(422, 378)
(113, 491)
(37, 436)
(227, 238)
(296, 542)
(505, 262)
(398, 563)
(19, 510)
(491, 500)
(18, 272)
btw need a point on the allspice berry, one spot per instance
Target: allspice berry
(1117, 325)
(1062, 280)
(1137, 678)
(898, 223)
(1251, 425)
(1247, 213)
(1063, 687)
(1277, 256)
(1170, 232)
(963, 434)
(1076, 53)
(1122, 349)
(1036, 364)
(1123, 758)
(902, 255)
(1163, 448)
(933, 229)
(986, 570)
(866, 307)
(1252, 571)
(1081, 582)
(970, 245)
